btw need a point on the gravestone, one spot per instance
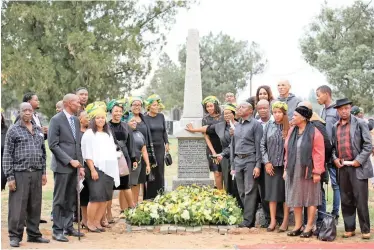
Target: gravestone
(176, 114)
(192, 163)
(169, 127)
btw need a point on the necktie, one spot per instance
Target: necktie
(72, 126)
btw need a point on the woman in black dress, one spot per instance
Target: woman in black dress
(4, 129)
(212, 108)
(125, 141)
(156, 123)
(136, 104)
(272, 150)
(140, 153)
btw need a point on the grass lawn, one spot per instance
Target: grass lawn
(170, 173)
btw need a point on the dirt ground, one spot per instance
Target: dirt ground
(113, 238)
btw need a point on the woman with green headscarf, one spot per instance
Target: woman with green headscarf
(156, 122)
(136, 104)
(213, 115)
(222, 130)
(125, 141)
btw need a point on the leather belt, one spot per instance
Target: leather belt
(31, 170)
(242, 156)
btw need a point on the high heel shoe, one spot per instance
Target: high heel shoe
(93, 230)
(269, 229)
(295, 232)
(280, 230)
(101, 229)
(83, 226)
(307, 234)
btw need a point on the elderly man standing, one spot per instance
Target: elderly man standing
(24, 166)
(246, 158)
(287, 97)
(351, 152)
(64, 142)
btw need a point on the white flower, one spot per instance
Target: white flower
(185, 215)
(154, 215)
(232, 220)
(207, 212)
(230, 209)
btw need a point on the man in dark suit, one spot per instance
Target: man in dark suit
(352, 147)
(64, 142)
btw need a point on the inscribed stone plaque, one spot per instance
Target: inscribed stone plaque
(192, 159)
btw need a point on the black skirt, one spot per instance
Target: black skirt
(143, 174)
(84, 195)
(124, 183)
(275, 186)
(100, 190)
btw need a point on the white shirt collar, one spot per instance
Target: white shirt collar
(262, 122)
(67, 114)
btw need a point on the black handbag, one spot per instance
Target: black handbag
(327, 232)
(151, 176)
(168, 159)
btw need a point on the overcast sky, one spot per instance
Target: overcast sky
(276, 25)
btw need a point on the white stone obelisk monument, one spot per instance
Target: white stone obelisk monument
(192, 163)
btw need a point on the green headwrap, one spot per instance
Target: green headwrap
(130, 115)
(211, 99)
(151, 99)
(135, 98)
(230, 106)
(95, 108)
(280, 105)
(121, 103)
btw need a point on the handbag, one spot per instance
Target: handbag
(151, 176)
(168, 159)
(327, 232)
(122, 166)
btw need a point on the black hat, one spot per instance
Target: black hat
(304, 111)
(342, 102)
(355, 110)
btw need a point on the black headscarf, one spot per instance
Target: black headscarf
(306, 146)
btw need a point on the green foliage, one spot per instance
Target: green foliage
(227, 65)
(53, 47)
(190, 206)
(339, 43)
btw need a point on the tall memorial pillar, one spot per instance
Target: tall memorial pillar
(192, 163)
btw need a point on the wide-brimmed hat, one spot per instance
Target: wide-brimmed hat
(342, 102)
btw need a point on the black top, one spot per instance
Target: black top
(208, 120)
(158, 129)
(142, 128)
(123, 134)
(3, 134)
(226, 138)
(139, 143)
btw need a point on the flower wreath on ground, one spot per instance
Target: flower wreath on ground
(187, 205)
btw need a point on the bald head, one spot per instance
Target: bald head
(25, 112)
(306, 104)
(263, 109)
(71, 103)
(284, 87)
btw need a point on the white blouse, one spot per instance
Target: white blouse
(100, 148)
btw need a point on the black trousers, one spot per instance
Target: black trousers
(158, 185)
(64, 201)
(354, 195)
(25, 204)
(264, 203)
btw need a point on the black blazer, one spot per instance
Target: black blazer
(62, 143)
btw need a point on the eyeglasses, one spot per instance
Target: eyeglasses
(136, 105)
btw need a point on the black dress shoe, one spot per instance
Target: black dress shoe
(60, 237)
(38, 240)
(243, 224)
(14, 243)
(73, 232)
(42, 221)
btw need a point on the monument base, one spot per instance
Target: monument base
(192, 181)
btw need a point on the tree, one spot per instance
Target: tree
(339, 43)
(52, 47)
(226, 66)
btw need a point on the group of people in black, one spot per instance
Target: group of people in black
(88, 143)
(275, 152)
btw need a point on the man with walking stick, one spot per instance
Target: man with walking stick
(64, 142)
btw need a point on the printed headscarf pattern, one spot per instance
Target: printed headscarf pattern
(121, 102)
(130, 115)
(280, 105)
(230, 106)
(153, 98)
(211, 99)
(96, 108)
(135, 98)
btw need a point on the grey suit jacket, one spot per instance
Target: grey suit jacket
(62, 143)
(361, 146)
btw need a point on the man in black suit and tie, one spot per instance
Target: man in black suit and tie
(64, 142)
